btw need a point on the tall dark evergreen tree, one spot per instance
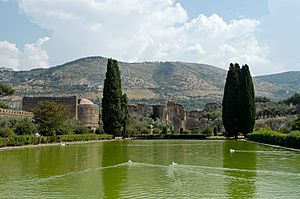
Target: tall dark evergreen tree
(125, 114)
(247, 110)
(112, 100)
(231, 101)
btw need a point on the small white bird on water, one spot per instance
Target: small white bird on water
(232, 150)
(62, 144)
(129, 162)
(174, 163)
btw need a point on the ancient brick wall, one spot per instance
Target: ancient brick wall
(69, 103)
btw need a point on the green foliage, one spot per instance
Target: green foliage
(164, 130)
(6, 90)
(262, 99)
(268, 136)
(195, 132)
(50, 118)
(69, 126)
(239, 111)
(295, 99)
(99, 131)
(112, 100)
(81, 130)
(125, 113)
(207, 131)
(247, 110)
(4, 106)
(33, 140)
(25, 127)
(231, 100)
(184, 131)
(156, 131)
(296, 124)
(145, 131)
(6, 132)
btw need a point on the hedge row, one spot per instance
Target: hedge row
(33, 140)
(170, 136)
(268, 136)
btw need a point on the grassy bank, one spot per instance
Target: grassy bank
(33, 140)
(267, 136)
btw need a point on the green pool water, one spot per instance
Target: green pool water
(159, 169)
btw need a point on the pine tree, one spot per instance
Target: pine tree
(112, 99)
(231, 100)
(247, 110)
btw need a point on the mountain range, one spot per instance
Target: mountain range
(187, 83)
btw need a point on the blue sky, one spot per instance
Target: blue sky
(44, 33)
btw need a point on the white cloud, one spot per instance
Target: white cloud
(139, 30)
(9, 55)
(32, 55)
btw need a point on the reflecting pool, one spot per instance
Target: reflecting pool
(151, 169)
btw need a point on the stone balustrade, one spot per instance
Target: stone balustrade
(13, 113)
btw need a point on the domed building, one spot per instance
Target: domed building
(88, 113)
(82, 109)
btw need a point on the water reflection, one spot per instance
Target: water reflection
(114, 178)
(241, 169)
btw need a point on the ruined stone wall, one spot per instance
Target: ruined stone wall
(160, 112)
(69, 103)
(13, 113)
(212, 106)
(176, 115)
(140, 109)
(88, 115)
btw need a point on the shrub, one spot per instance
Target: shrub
(156, 131)
(4, 106)
(296, 124)
(25, 127)
(207, 131)
(99, 131)
(195, 132)
(268, 136)
(184, 131)
(6, 132)
(145, 131)
(164, 130)
(82, 130)
(28, 139)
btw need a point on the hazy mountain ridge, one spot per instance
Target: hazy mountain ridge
(155, 80)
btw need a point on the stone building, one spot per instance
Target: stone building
(82, 109)
(69, 103)
(171, 112)
(88, 113)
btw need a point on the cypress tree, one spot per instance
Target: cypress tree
(112, 99)
(125, 114)
(247, 110)
(231, 101)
